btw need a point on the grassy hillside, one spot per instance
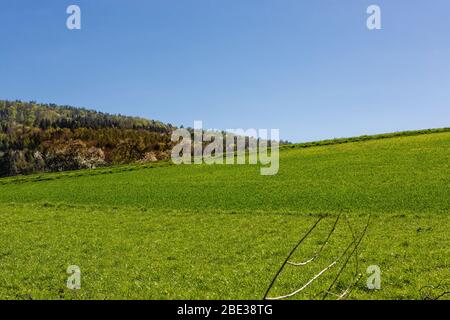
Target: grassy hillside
(166, 231)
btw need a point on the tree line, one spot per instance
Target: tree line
(47, 137)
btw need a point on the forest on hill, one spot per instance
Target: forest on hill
(47, 137)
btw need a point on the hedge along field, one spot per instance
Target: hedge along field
(200, 232)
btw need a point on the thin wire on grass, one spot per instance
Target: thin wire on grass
(354, 238)
(290, 254)
(356, 242)
(332, 293)
(316, 276)
(305, 285)
(440, 286)
(316, 255)
(358, 275)
(347, 291)
(443, 294)
(351, 254)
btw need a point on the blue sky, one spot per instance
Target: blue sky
(310, 68)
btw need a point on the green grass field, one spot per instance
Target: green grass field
(221, 232)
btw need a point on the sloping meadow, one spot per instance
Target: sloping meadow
(217, 231)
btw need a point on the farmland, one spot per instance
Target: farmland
(161, 231)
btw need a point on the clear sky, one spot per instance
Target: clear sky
(310, 68)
